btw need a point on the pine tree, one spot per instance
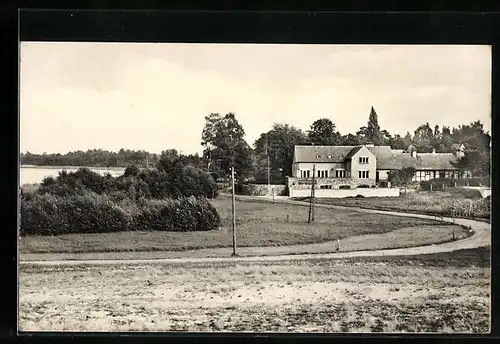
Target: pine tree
(371, 133)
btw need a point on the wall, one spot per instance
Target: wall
(356, 166)
(262, 189)
(368, 192)
(335, 183)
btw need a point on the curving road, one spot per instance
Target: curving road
(481, 238)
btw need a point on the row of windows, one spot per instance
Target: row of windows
(338, 174)
(364, 174)
(427, 175)
(322, 174)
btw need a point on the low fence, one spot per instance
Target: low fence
(264, 189)
(342, 193)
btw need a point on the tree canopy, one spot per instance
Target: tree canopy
(323, 133)
(224, 146)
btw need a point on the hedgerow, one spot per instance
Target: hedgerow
(46, 214)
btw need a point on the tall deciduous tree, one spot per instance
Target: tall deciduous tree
(476, 141)
(278, 144)
(350, 140)
(423, 138)
(446, 140)
(323, 132)
(397, 142)
(224, 146)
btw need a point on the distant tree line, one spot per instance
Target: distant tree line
(101, 158)
(224, 145)
(273, 151)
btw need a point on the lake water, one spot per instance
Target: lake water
(32, 175)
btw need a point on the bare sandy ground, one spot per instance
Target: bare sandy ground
(297, 296)
(300, 293)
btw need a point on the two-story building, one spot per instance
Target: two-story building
(349, 167)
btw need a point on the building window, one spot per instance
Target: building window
(322, 173)
(364, 174)
(340, 174)
(305, 173)
(363, 160)
(325, 187)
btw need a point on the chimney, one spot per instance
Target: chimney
(433, 151)
(414, 153)
(369, 144)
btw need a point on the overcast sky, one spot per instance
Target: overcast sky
(155, 96)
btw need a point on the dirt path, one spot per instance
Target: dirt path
(481, 237)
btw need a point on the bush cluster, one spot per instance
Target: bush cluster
(47, 214)
(173, 199)
(182, 181)
(468, 208)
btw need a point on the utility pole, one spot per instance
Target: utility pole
(268, 167)
(311, 200)
(234, 212)
(314, 192)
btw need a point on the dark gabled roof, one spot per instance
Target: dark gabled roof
(387, 158)
(353, 152)
(382, 153)
(321, 153)
(338, 153)
(437, 161)
(423, 161)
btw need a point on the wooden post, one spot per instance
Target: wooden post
(234, 212)
(314, 192)
(287, 217)
(311, 201)
(268, 168)
(338, 245)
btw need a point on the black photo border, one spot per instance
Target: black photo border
(313, 25)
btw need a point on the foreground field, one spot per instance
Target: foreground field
(448, 292)
(259, 224)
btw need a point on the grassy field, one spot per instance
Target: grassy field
(434, 293)
(259, 224)
(423, 202)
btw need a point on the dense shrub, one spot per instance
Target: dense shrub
(468, 208)
(191, 181)
(43, 214)
(60, 187)
(132, 170)
(180, 215)
(47, 214)
(183, 181)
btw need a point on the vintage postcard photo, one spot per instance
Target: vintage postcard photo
(254, 188)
